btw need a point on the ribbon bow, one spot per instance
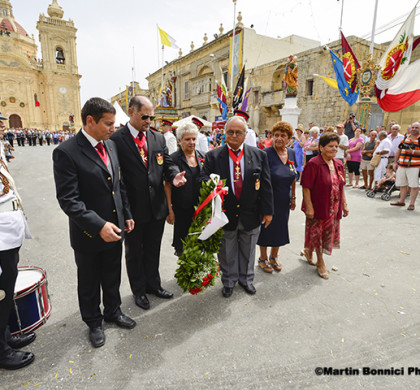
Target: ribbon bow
(218, 190)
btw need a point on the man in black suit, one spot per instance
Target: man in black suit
(144, 162)
(248, 204)
(90, 191)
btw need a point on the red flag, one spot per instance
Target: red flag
(350, 63)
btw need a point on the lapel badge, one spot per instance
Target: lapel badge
(257, 184)
(159, 159)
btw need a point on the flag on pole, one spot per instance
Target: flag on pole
(221, 96)
(223, 107)
(245, 101)
(398, 83)
(350, 63)
(223, 84)
(331, 82)
(343, 86)
(239, 90)
(166, 39)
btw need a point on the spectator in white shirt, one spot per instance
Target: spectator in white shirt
(344, 142)
(202, 144)
(170, 139)
(395, 137)
(384, 149)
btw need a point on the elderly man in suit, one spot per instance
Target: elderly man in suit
(90, 191)
(248, 204)
(145, 162)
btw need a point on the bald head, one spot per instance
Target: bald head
(140, 110)
(137, 102)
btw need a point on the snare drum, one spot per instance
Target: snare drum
(32, 305)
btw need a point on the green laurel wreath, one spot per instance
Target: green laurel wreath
(198, 266)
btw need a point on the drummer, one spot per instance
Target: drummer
(10, 243)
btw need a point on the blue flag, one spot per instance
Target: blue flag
(224, 106)
(343, 86)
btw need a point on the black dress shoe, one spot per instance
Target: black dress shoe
(162, 293)
(21, 340)
(248, 289)
(142, 301)
(227, 291)
(17, 359)
(122, 321)
(97, 337)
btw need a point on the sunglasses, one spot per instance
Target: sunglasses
(146, 117)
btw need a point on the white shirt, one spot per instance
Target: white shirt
(202, 145)
(395, 142)
(171, 143)
(344, 141)
(385, 144)
(251, 138)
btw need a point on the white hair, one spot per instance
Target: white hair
(242, 119)
(314, 129)
(186, 128)
(396, 126)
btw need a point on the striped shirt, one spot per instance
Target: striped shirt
(406, 158)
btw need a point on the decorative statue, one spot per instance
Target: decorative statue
(290, 83)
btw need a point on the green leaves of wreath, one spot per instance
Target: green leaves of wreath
(198, 266)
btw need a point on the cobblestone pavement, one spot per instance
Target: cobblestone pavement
(365, 315)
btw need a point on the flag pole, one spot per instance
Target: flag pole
(161, 89)
(232, 46)
(341, 18)
(133, 74)
(372, 38)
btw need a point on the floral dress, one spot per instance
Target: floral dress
(325, 234)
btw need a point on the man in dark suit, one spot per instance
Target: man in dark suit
(90, 191)
(144, 162)
(248, 204)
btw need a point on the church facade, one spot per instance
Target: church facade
(41, 93)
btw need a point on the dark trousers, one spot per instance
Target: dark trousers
(48, 141)
(96, 270)
(142, 253)
(183, 221)
(8, 261)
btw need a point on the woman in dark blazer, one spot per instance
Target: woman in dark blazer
(181, 200)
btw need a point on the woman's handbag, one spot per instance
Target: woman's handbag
(376, 159)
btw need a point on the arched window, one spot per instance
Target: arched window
(59, 55)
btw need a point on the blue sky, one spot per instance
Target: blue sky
(108, 30)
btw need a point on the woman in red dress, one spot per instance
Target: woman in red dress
(324, 202)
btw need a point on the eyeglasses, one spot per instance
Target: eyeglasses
(236, 133)
(146, 117)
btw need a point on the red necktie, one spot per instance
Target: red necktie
(237, 174)
(102, 152)
(140, 141)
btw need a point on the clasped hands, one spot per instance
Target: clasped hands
(110, 232)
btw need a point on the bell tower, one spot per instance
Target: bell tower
(57, 37)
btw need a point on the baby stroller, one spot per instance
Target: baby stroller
(388, 187)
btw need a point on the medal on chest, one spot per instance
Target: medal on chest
(143, 156)
(159, 159)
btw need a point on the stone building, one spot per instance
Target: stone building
(44, 92)
(319, 102)
(192, 78)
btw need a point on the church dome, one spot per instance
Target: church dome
(7, 20)
(55, 10)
